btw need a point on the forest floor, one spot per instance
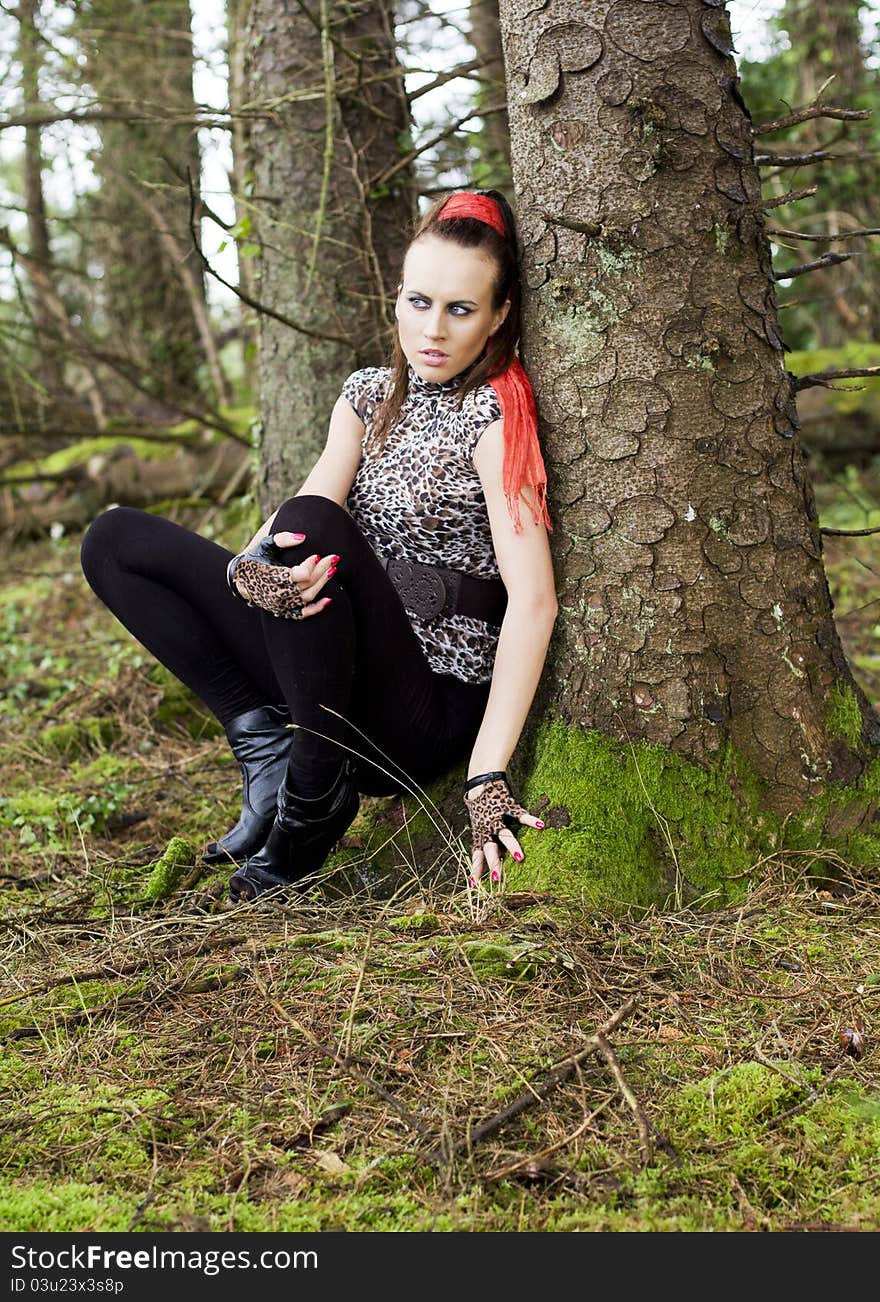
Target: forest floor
(424, 1059)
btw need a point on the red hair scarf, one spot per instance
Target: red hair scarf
(523, 463)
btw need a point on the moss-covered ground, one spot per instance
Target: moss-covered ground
(396, 1053)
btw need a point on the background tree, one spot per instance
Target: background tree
(695, 643)
(332, 195)
(493, 140)
(821, 56)
(139, 63)
(48, 360)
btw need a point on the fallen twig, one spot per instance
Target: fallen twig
(361, 1077)
(537, 1094)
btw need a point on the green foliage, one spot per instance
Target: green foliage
(79, 736)
(49, 820)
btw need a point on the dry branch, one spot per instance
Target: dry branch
(823, 377)
(344, 1064)
(826, 260)
(538, 1093)
(827, 235)
(791, 196)
(804, 115)
(262, 308)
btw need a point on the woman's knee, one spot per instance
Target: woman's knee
(311, 515)
(103, 538)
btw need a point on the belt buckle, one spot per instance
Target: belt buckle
(420, 587)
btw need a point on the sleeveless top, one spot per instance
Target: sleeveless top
(421, 499)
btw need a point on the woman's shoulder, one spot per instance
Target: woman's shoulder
(368, 375)
(480, 408)
(366, 385)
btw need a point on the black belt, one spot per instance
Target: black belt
(433, 591)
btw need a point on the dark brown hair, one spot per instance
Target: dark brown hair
(500, 348)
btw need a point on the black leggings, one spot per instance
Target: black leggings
(359, 657)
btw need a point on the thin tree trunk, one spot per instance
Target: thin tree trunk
(695, 613)
(826, 37)
(139, 55)
(331, 241)
(493, 140)
(49, 366)
(240, 184)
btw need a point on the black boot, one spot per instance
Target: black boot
(260, 741)
(300, 839)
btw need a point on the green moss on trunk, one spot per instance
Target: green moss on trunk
(639, 824)
(627, 825)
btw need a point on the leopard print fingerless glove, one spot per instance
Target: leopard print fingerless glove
(491, 811)
(261, 578)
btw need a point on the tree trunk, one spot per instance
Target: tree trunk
(331, 240)
(139, 59)
(826, 36)
(493, 141)
(240, 183)
(697, 709)
(49, 367)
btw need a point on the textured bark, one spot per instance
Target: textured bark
(493, 141)
(331, 242)
(694, 605)
(139, 55)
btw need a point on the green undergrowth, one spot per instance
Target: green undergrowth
(747, 1137)
(172, 1062)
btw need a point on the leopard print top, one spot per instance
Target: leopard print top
(421, 499)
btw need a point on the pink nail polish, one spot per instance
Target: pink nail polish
(517, 856)
(334, 560)
(327, 601)
(317, 558)
(496, 875)
(331, 571)
(300, 537)
(471, 882)
(538, 823)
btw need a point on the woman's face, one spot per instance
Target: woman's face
(444, 307)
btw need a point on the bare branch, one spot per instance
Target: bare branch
(823, 377)
(803, 115)
(461, 70)
(792, 160)
(214, 119)
(818, 156)
(536, 1094)
(790, 197)
(829, 235)
(850, 533)
(451, 130)
(826, 260)
(262, 308)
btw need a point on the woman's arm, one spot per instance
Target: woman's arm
(527, 571)
(333, 473)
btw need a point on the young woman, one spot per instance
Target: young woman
(398, 609)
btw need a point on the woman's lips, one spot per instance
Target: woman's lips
(434, 358)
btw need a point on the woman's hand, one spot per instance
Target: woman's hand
(260, 578)
(493, 809)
